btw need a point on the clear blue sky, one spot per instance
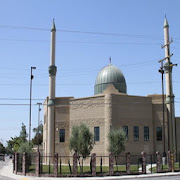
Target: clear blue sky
(129, 31)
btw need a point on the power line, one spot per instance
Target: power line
(80, 32)
(129, 83)
(81, 42)
(20, 99)
(150, 82)
(43, 99)
(23, 28)
(80, 69)
(77, 104)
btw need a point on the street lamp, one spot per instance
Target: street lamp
(30, 103)
(39, 109)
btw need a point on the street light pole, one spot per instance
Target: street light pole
(39, 109)
(30, 103)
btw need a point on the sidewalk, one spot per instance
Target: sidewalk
(7, 171)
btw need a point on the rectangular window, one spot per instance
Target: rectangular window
(125, 129)
(96, 134)
(146, 133)
(159, 133)
(136, 133)
(62, 135)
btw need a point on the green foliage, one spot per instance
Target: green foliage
(38, 138)
(9, 150)
(117, 140)
(81, 140)
(23, 133)
(14, 143)
(25, 147)
(2, 149)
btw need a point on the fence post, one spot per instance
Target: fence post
(143, 154)
(172, 161)
(13, 161)
(93, 164)
(55, 168)
(37, 164)
(75, 164)
(111, 163)
(16, 162)
(158, 162)
(169, 161)
(128, 162)
(24, 163)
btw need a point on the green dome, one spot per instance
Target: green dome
(110, 75)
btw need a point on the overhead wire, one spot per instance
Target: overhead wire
(77, 104)
(81, 42)
(77, 31)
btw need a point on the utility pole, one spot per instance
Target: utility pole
(39, 109)
(30, 103)
(169, 89)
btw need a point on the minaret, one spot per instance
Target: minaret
(51, 101)
(169, 89)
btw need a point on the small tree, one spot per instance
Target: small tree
(2, 148)
(81, 141)
(38, 138)
(15, 143)
(117, 139)
(23, 133)
(25, 147)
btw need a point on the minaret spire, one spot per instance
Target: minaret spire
(53, 26)
(169, 89)
(166, 22)
(51, 101)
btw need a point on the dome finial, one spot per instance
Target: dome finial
(110, 60)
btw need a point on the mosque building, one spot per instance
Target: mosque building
(147, 128)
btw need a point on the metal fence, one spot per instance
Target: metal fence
(65, 165)
(19, 162)
(46, 164)
(57, 166)
(30, 163)
(136, 164)
(102, 164)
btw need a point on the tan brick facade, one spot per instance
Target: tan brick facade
(111, 109)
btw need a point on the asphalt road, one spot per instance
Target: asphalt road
(155, 178)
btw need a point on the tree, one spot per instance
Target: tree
(38, 138)
(81, 141)
(14, 143)
(2, 149)
(25, 147)
(117, 140)
(23, 133)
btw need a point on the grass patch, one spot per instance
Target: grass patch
(64, 170)
(166, 167)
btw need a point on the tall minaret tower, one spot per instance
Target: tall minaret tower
(169, 89)
(51, 101)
